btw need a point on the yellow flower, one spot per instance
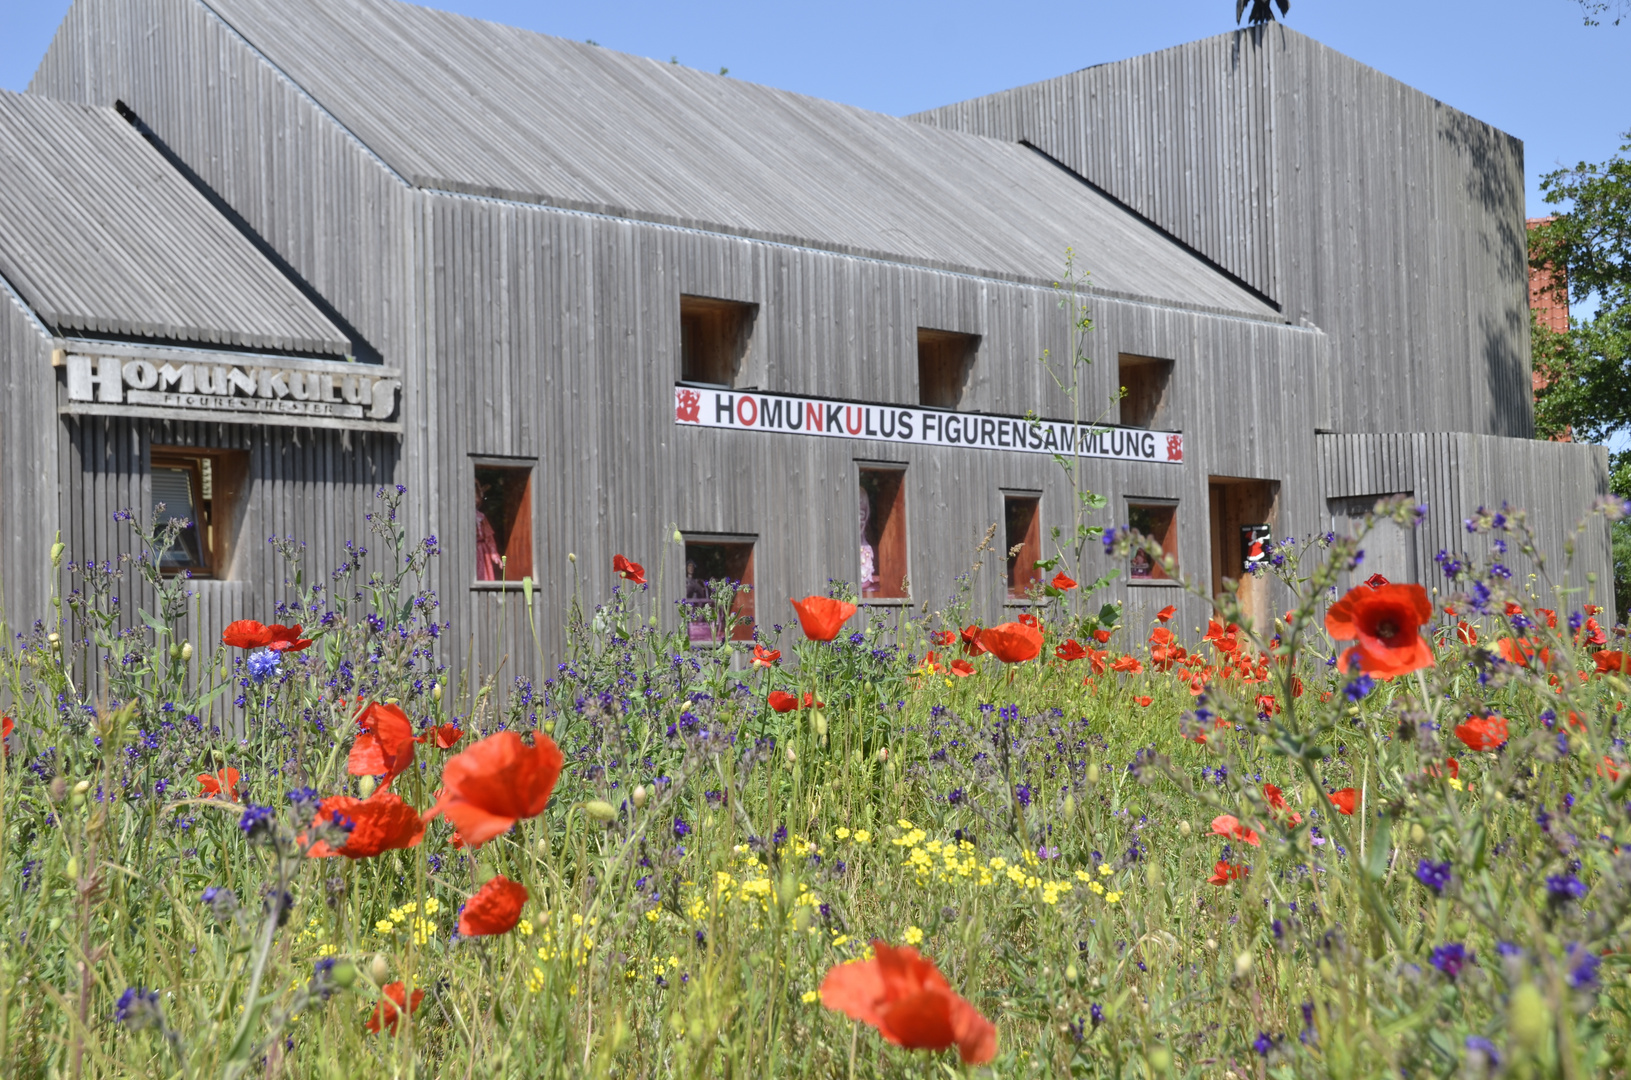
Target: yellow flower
(1455, 782)
(432, 906)
(914, 936)
(843, 832)
(903, 823)
(651, 916)
(385, 926)
(810, 997)
(1083, 875)
(524, 927)
(1104, 868)
(535, 980)
(1112, 898)
(862, 836)
(1096, 887)
(328, 949)
(841, 939)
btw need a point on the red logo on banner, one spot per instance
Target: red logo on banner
(1175, 448)
(688, 406)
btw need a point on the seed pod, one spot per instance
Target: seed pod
(640, 797)
(1528, 1017)
(600, 810)
(379, 969)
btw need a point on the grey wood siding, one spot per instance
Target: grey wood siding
(1388, 219)
(28, 464)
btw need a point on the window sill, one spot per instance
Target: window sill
(499, 586)
(1155, 583)
(885, 601)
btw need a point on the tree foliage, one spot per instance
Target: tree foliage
(1263, 10)
(1588, 367)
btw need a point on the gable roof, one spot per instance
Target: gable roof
(99, 234)
(457, 104)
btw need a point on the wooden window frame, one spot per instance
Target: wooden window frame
(218, 513)
(945, 361)
(743, 605)
(715, 337)
(1169, 542)
(515, 541)
(1018, 588)
(1148, 381)
(891, 538)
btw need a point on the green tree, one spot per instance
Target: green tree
(1587, 368)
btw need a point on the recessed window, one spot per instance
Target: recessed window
(718, 588)
(200, 488)
(714, 338)
(1144, 384)
(1159, 522)
(503, 522)
(944, 360)
(1023, 533)
(883, 533)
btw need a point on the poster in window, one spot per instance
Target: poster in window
(1255, 541)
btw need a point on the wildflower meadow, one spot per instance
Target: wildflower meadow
(1380, 836)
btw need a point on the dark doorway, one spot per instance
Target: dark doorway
(1240, 511)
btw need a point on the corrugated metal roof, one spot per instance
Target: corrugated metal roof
(100, 234)
(455, 103)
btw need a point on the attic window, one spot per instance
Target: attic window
(1144, 381)
(944, 359)
(713, 339)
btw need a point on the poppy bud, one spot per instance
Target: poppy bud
(821, 724)
(436, 692)
(186, 651)
(542, 847)
(379, 969)
(883, 754)
(1071, 974)
(58, 789)
(55, 640)
(56, 553)
(365, 786)
(600, 810)
(82, 787)
(344, 974)
(1183, 828)
(1417, 833)
(1092, 772)
(571, 557)
(791, 757)
(1159, 1058)
(1528, 1017)
(640, 797)
(72, 868)
(175, 652)
(1211, 944)
(1152, 875)
(1070, 806)
(1243, 965)
(788, 890)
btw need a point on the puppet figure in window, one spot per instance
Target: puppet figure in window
(869, 553)
(699, 627)
(489, 567)
(1142, 566)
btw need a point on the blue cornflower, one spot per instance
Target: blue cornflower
(1450, 958)
(257, 823)
(1097, 1014)
(1561, 888)
(1022, 794)
(263, 665)
(1263, 1043)
(1359, 688)
(1583, 965)
(303, 798)
(681, 828)
(138, 1009)
(1009, 712)
(1435, 876)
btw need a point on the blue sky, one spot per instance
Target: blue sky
(1530, 67)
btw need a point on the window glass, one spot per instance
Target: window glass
(1159, 522)
(883, 533)
(718, 590)
(177, 496)
(1023, 534)
(503, 522)
(203, 489)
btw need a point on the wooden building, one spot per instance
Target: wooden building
(576, 301)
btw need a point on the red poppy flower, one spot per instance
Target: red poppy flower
(386, 1011)
(1166, 613)
(1376, 581)
(1143, 701)
(495, 909)
(1592, 633)
(1266, 703)
(1277, 802)
(1451, 764)
(381, 822)
(497, 782)
(782, 701)
(1070, 650)
(1101, 636)
(246, 634)
(1100, 659)
(6, 724)
(223, 783)
(1609, 661)
(1344, 801)
(1223, 873)
(446, 735)
(971, 641)
(763, 657)
(1162, 636)
(1386, 623)
(1012, 643)
(810, 702)
(1230, 826)
(1062, 582)
(1128, 665)
(1466, 633)
(1522, 651)
(384, 746)
(962, 668)
(1030, 620)
(943, 638)
(286, 638)
(1549, 615)
(631, 572)
(931, 663)
(1608, 769)
(904, 996)
(822, 616)
(1482, 732)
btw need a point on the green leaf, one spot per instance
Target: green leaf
(1381, 846)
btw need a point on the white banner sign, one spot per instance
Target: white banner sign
(256, 390)
(696, 406)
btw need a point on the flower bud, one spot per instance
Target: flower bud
(72, 868)
(640, 797)
(1070, 806)
(541, 847)
(1417, 833)
(679, 538)
(1092, 772)
(82, 787)
(56, 553)
(344, 974)
(600, 810)
(54, 640)
(1183, 828)
(436, 692)
(379, 969)
(186, 651)
(571, 557)
(365, 786)
(883, 754)
(1160, 1059)
(821, 724)
(1528, 1017)
(1243, 965)
(1071, 974)
(1152, 875)
(791, 757)
(1211, 944)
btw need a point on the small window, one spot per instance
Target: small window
(944, 360)
(1023, 534)
(883, 533)
(199, 487)
(1159, 522)
(503, 522)
(713, 339)
(1144, 382)
(717, 568)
